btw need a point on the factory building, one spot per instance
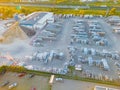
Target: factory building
(36, 21)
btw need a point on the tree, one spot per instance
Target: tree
(71, 68)
(112, 11)
(60, 1)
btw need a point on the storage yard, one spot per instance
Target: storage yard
(88, 43)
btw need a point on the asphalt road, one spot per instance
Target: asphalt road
(45, 5)
(78, 85)
(61, 6)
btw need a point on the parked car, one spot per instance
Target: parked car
(31, 75)
(59, 79)
(4, 83)
(13, 85)
(118, 65)
(21, 74)
(33, 88)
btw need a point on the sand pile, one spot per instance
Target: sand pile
(12, 33)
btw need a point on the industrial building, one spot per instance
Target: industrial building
(37, 20)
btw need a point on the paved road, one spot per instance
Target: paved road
(45, 5)
(113, 37)
(62, 6)
(77, 85)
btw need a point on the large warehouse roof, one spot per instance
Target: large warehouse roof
(33, 18)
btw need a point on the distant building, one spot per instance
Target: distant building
(103, 88)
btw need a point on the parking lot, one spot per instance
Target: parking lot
(77, 85)
(24, 82)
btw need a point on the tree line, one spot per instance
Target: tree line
(9, 11)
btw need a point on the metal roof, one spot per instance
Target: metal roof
(33, 18)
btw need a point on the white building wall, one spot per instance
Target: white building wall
(39, 25)
(48, 18)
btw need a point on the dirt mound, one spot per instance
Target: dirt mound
(12, 33)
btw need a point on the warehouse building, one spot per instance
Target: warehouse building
(36, 21)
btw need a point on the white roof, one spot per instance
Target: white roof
(30, 67)
(78, 67)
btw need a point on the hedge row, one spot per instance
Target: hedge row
(47, 74)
